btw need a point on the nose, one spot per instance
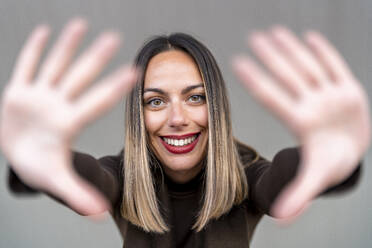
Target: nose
(177, 115)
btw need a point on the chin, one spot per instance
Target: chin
(181, 164)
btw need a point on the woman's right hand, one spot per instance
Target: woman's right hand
(42, 113)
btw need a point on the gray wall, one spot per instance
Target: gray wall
(342, 221)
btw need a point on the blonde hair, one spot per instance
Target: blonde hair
(225, 184)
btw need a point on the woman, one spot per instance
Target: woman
(182, 180)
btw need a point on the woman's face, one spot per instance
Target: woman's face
(176, 114)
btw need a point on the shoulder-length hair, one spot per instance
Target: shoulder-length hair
(225, 184)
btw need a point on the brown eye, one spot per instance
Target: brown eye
(197, 98)
(156, 102)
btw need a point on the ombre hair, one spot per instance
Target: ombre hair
(225, 184)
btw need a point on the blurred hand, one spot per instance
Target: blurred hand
(313, 92)
(42, 114)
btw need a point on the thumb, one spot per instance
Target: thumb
(79, 195)
(296, 196)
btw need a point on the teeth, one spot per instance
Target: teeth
(180, 142)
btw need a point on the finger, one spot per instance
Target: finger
(300, 56)
(285, 222)
(104, 95)
(62, 53)
(263, 89)
(335, 66)
(297, 195)
(99, 217)
(30, 55)
(264, 48)
(89, 65)
(79, 194)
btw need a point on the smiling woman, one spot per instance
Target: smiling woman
(184, 96)
(182, 179)
(176, 113)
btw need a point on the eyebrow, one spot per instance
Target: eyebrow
(184, 91)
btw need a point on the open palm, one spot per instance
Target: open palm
(41, 115)
(312, 91)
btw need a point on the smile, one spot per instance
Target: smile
(180, 144)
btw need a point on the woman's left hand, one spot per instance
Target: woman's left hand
(313, 92)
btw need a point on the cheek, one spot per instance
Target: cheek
(153, 121)
(200, 116)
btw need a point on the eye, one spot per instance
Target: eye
(155, 102)
(197, 98)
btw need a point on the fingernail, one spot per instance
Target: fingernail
(78, 20)
(42, 30)
(238, 63)
(98, 217)
(237, 60)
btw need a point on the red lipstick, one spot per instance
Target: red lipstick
(180, 149)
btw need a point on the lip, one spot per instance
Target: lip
(180, 149)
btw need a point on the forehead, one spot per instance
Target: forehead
(173, 68)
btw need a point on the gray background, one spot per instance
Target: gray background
(342, 221)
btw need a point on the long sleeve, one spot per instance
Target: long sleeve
(267, 179)
(103, 173)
